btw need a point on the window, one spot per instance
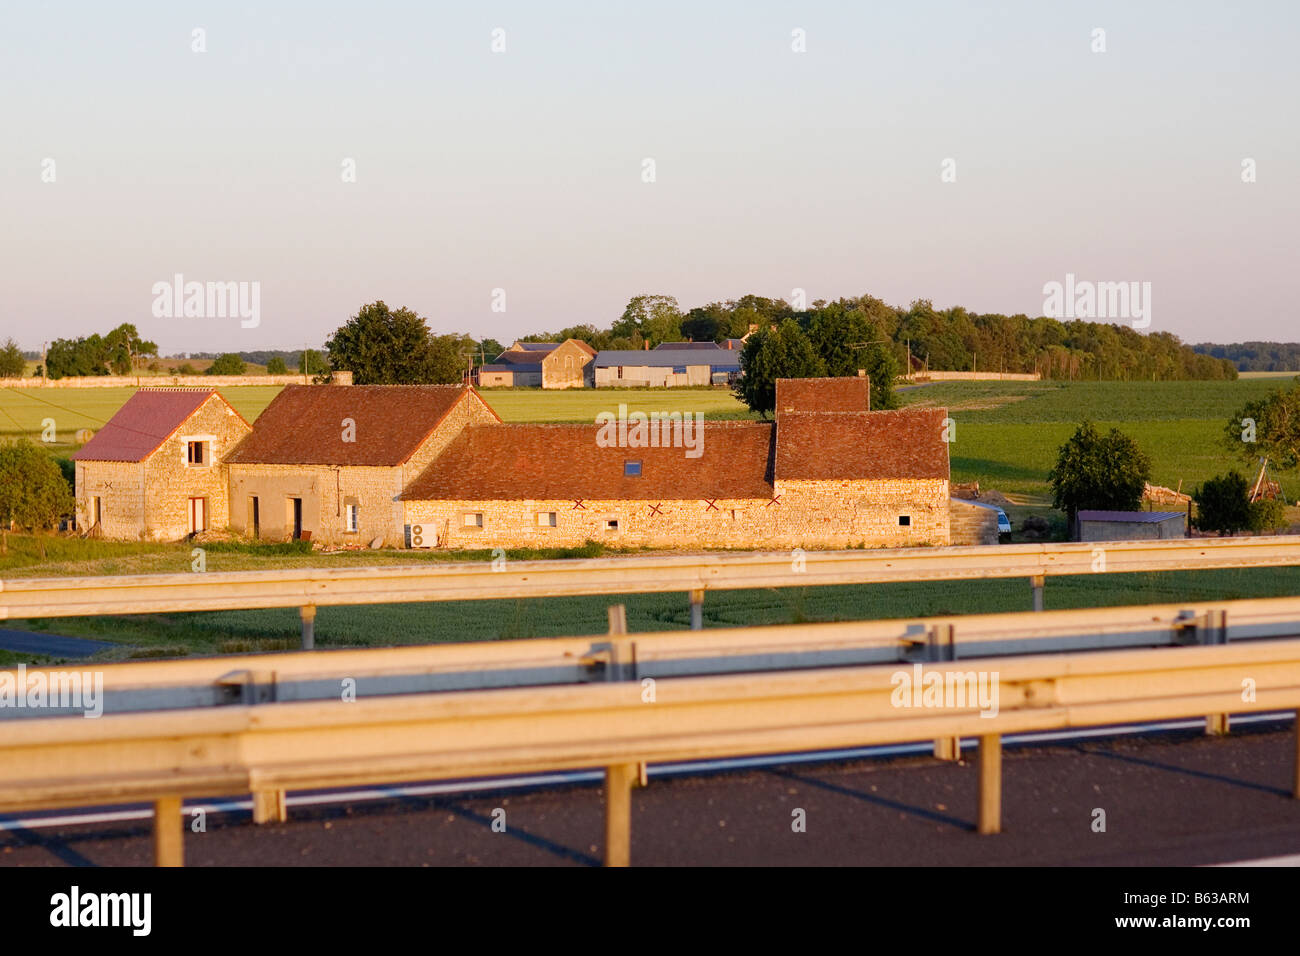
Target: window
(196, 453)
(611, 524)
(620, 371)
(351, 514)
(472, 519)
(631, 469)
(546, 519)
(679, 369)
(904, 521)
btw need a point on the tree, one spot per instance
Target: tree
(311, 362)
(1268, 515)
(1275, 434)
(767, 356)
(847, 341)
(126, 350)
(227, 363)
(34, 495)
(12, 362)
(275, 366)
(385, 347)
(656, 318)
(1223, 504)
(1107, 472)
(702, 324)
(83, 356)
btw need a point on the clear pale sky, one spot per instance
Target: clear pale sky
(522, 170)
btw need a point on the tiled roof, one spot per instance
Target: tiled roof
(690, 346)
(720, 358)
(303, 425)
(531, 357)
(148, 419)
(514, 462)
(1140, 517)
(537, 346)
(863, 445)
(822, 395)
(582, 346)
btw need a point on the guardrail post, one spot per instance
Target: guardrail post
(940, 645)
(1036, 584)
(308, 614)
(990, 800)
(1214, 630)
(1296, 791)
(168, 832)
(619, 779)
(697, 609)
(622, 666)
(269, 806)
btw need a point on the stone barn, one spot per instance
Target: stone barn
(330, 464)
(156, 470)
(827, 473)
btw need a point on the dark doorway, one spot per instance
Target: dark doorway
(297, 519)
(255, 516)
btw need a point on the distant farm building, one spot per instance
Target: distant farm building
(672, 364)
(539, 364)
(1131, 525)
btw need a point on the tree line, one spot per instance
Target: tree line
(1256, 356)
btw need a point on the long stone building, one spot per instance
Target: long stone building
(434, 467)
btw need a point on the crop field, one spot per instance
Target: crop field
(1007, 433)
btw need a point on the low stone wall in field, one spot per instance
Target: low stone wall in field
(166, 381)
(975, 377)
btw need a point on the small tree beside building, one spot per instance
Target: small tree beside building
(1098, 472)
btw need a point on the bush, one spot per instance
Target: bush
(276, 366)
(33, 492)
(228, 363)
(1223, 504)
(1268, 514)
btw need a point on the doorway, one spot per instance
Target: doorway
(295, 512)
(255, 517)
(198, 515)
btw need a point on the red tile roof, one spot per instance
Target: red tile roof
(868, 445)
(303, 425)
(823, 394)
(514, 462)
(148, 419)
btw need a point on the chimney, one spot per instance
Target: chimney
(646, 343)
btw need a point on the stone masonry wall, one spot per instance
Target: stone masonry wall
(805, 514)
(119, 485)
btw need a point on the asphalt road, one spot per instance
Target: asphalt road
(51, 645)
(1174, 799)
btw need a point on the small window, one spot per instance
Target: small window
(473, 519)
(904, 521)
(679, 369)
(546, 519)
(352, 514)
(196, 453)
(611, 524)
(631, 469)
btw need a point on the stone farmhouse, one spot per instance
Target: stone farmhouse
(434, 467)
(564, 364)
(158, 469)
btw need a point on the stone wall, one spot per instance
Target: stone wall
(971, 524)
(804, 514)
(119, 485)
(566, 366)
(167, 381)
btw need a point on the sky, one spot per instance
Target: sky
(339, 153)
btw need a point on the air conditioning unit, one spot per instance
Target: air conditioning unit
(417, 536)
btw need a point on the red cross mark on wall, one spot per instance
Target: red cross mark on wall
(578, 506)
(654, 509)
(776, 500)
(712, 506)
